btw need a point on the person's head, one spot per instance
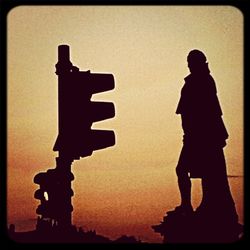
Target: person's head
(196, 60)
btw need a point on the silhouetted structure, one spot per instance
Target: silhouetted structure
(47, 232)
(215, 220)
(55, 196)
(75, 139)
(127, 239)
(197, 228)
(76, 113)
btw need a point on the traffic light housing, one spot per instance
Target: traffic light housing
(77, 112)
(52, 193)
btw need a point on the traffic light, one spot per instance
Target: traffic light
(76, 110)
(52, 193)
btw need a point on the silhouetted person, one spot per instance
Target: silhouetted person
(203, 141)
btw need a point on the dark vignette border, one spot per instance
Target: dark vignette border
(7, 5)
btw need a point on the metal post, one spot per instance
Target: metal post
(63, 161)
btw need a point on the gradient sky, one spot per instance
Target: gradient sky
(126, 188)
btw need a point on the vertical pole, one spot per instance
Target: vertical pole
(63, 161)
(65, 207)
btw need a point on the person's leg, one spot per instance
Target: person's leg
(184, 181)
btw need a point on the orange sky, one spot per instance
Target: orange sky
(126, 188)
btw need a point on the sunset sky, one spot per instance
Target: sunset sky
(129, 187)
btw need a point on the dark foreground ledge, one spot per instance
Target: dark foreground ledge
(46, 233)
(196, 228)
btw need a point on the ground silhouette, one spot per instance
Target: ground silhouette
(197, 228)
(47, 232)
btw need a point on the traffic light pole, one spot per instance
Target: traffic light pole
(76, 113)
(64, 161)
(65, 208)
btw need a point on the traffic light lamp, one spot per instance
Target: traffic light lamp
(76, 110)
(52, 193)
